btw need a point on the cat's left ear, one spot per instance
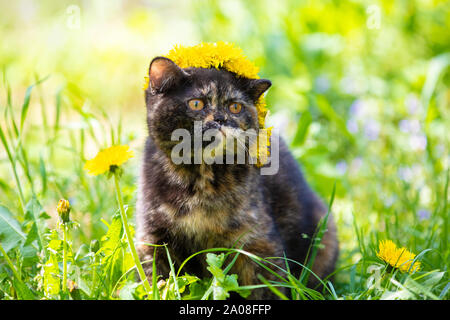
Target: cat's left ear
(163, 74)
(258, 86)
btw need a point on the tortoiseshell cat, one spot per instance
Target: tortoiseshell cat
(191, 207)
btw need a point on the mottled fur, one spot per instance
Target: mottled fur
(195, 207)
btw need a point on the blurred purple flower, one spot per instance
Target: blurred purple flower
(412, 103)
(389, 201)
(348, 85)
(356, 109)
(409, 126)
(322, 83)
(355, 165)
(404, 125)
(371, 129)
(418, 142)
(341, 167)
(405, 173)
(352, 126)
(423, 214)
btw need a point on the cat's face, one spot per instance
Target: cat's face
(176, 98)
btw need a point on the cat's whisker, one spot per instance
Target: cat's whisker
(237, 135)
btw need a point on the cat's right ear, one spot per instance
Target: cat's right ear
(163, 74)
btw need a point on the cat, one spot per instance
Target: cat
(191, 207)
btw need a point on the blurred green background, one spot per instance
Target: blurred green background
(360, 92)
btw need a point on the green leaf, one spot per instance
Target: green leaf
(437, 65)
(25, 106)
(26, 101)
(444, 291)
(23, 292)
(128, 291)
(111, 240)
(34, 212)
(43, 173)
(155, 289)
(219, 292)
(221, 283)
(328, 111)
(230, 282)
(272, 287)
(433, 279)
(185, 281)
(302, 129)
(29, 256)
(173, 275)
(55, 245)
(52, 283)
(215, 260)
(5, 144)
(215, 263)
(197, 290)
(32, 235)
(10, 231)
(316, 241)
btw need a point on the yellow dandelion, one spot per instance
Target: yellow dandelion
(146, 83)
(108, 160)
(399, 258)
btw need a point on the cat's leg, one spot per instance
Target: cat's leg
(248, 270)
(146, 254)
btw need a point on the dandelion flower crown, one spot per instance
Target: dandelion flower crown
(219, 55)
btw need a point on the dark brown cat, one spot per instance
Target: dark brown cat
(191, 207)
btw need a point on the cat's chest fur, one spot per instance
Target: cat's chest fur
(204, 204)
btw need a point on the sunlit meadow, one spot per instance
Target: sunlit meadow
(360, 93)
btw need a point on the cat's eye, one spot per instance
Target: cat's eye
(196, 104)
(235, 107)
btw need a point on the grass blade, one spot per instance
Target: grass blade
(316, 240)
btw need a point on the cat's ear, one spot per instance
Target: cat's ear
(163, 73)
(258, 86)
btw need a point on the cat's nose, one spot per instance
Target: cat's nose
(214, 121)
(219, 118)
(211, 125)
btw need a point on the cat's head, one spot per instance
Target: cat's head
(177, 97)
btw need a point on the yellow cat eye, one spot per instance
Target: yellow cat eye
(196, 104)
(235, 107)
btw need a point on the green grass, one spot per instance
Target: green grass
(32, 252)
(362, 109)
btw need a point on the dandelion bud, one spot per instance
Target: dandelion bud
(63, 210)
(72, 285)
(161, 284)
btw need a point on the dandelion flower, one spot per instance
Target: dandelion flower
(214, 55)
(399, 258)
(108, 160)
